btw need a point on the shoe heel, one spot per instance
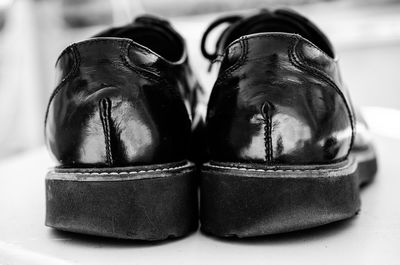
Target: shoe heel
(143, 203)
(238, 200)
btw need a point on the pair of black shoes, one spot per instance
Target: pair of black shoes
(281, 148)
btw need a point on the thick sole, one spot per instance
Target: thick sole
(245, 200)
(142, 203)
(367, 164)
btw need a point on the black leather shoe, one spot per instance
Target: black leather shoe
(119, 126)
(285, 145)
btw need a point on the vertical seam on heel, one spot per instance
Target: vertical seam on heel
(266, 112)
(105, 116)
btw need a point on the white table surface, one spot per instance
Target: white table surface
(372, 237)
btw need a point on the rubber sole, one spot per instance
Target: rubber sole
(142, 203)
(367, 165)
(245, 200)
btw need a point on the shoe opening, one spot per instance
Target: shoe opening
(286, 21)
(158, 38)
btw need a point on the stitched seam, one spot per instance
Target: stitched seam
(148, 74)
(331, 81)
(278, 36)
(105, 120)
(311, 64)
(317, 73)
(143, 73)
(268, 141)
(228, 73)
(125, 172)
(274, 170)
(243, 41)
(243, 57)
(71, 73)
(73, 45)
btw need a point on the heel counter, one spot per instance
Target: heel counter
(271, 109)
(105, 113)
(275, 134)
(107, 129)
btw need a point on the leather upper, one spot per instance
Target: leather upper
(118, 102)
(362, 136)
(279, 98)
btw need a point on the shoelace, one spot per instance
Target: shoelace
(213, 57)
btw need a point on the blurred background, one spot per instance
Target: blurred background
(366, 34)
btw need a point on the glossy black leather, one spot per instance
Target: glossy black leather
(119, 103)
(279, 98)
(362, 136)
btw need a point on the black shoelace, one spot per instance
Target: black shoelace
(215, 56)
